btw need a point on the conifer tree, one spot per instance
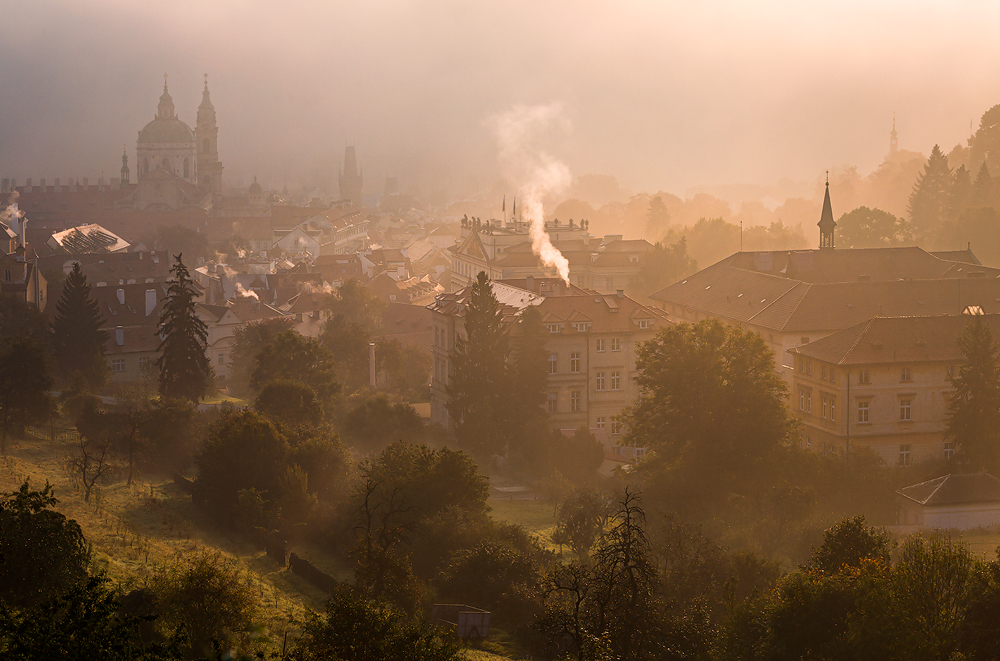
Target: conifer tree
(961, 192)
(974, 407)
(529, 377)
(78, 341)
(982, 189)
(478, 385)
(930, 198)
(184, 366)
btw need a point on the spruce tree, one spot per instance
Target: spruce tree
(77, 338)
(982, 189)
(529, 368)
(961, 193)
(930, 198)
(479, 386)
(184, 366)
(974, 407)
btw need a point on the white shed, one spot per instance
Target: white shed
(959, 501)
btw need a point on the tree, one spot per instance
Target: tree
(849, 543)
(289, 402)
(18, 317)
(582, 519)
(247, 343)
(929, 200)
(974, 407)
(657, 217)
(479, 386)
(185, 371)
(358, 629)
(984, 145)
(961, 192)
(42, 553)
(407, 368)
(872, 228)
(358, 305)
(91, 464)
(24, 385)
(348, 343)
(710, 397)
(662, 266)
(77, 338)
(497, 578)
(85, 622)
(980, 229)
(375, 423)
(528, 370)
(289, 356)
(982, 189)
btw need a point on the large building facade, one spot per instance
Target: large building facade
(169, 144)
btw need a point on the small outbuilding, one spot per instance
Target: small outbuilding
(959, 501)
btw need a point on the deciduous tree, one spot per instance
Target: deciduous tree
(24, 385)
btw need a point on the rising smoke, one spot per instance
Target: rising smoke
(535, 172)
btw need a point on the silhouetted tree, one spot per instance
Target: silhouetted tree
(929, 201)
(77, 338)
(289, 402)
(42, 553)
(872, 228)
(661, 267)
(961, 192)
(24, 385)
(974, 407)
(185, 371)
(247, 343)
(657, 217)
(289, 356)
(982, 189)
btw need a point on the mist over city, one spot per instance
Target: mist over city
(444, 331)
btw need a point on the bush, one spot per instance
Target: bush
(42, 553)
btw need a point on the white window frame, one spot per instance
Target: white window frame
(600, 381)
(616, 344)
(600, 345)
(905, 410)
(616, 380)
(599, 422)
(863, 413)
(864, 378)
(118, 365)
(552, 403)
(905, 454)
(574, 362)
(553, 363)
(905, 375)
(574, 401)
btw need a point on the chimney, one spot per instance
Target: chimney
(150, 301)
(620, 293)
(529, 283)
(121, 296)
(119, 335)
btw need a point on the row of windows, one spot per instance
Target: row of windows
(905, 375)
(805, 366)
(601, 423)
(906, 453)
(616, 381)
(905, 411)
(145, 363)
(616, 344)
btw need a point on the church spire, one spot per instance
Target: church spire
(893, 143)
(166, 108)
(826, 222)
(206, 100)
(125, 173)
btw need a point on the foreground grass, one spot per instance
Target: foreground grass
(136, 531)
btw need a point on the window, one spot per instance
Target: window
(904, 374)
(616, 427)
(610, 283)
(833, 410)
(145, 363)
(862, 411)
(809, 402)
(616, 344)
(574, 401)
(553, 360)
(574, 362)
(904, 455)
(581, 327)
(118, 365)
(616, 380)
(600, 345)
(600, 380)
(823, 373)
(552, 402)
(222, 359)
(555, 328)
(599, 422)
(949, 449)
(802, 399)
(6, 275)
(864, 378)
(904, 409)
(951, 371)
(824, 408)
(802, 365)
(833, 375)
(809, 367)
(644, 324)
(437, 335)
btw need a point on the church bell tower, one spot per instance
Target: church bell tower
(207, 136)
(826, 222)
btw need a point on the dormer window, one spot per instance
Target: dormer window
(644, 324)
(554, 328)
(581, 327)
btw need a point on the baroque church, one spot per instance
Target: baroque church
(177, 167)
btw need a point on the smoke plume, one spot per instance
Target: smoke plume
(245, 293)
(535, 172)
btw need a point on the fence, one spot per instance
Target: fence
(62, 434)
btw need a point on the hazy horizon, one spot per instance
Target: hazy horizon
(661, 96)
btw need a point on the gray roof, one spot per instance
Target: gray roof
(954, 489)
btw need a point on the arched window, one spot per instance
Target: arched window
(187, 168)
(204, 146)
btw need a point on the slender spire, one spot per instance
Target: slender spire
(893, 142)
(826, 222)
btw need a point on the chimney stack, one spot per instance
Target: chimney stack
(119, 335)
(150, 301)
(121, 296)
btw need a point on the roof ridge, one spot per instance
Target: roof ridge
(857, 339)
(943, 479)
(781, 296)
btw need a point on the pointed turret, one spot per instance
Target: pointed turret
(207, 134)
(125, 173)
(350, 179)
(165, 110)
(826, 222)
(893, 142)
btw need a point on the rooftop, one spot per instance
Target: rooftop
(954, 489)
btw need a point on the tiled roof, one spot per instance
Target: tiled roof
(89, 239)
(954, 489)
(896, 340)
(600, 313)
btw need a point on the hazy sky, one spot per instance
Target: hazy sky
(664, 95)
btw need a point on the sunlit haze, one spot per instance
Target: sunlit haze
(664, 96)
